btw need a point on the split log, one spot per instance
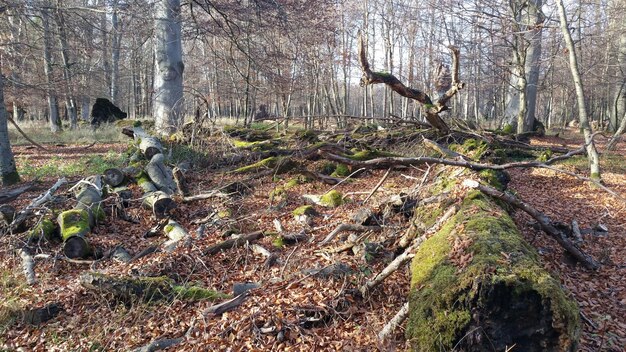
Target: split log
(146, 289)
(7, 214)
(180, 181)
(160, 174)
(478, 286)
(234, 242)
(37, 316)
(75, 224)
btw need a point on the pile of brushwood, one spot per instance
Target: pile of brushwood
(476, 285)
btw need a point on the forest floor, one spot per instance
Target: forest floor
(290, 310)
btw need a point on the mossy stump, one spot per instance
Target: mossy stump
(478, 286)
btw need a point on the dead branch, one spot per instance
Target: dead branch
(397, 319)
(542, 219)
(348, 227)
(380, 183)
(206, 195)
(37, 202)
(234, 242)
(158, 345)
(9, 195)
(227, 305)
(432, 109)
(17, 127)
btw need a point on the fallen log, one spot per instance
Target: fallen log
(159, 202)
(234, 242)
(478, 286)
(149, 145)
(36, 203)
(175, 232)
(113, 177)
(160, 174)
(75, 224)
(147, 289)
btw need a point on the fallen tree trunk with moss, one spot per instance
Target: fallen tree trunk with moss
(75, 224)
(147, 289)
(478, 286)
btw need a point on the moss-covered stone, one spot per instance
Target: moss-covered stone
(331, 199)
(478, 286)
(304, 210)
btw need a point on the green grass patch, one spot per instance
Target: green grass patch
(60, 167)
(84, 134)
(609, 162)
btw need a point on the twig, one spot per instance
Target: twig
(380, 183)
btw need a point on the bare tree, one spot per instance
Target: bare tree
(53, 108)
(592, 153)
(8, 171)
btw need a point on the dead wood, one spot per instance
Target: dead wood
(234, 242)
(227, 305)
(160, 174)
(146, 251)
(206, 195)
(409, 235)
(158, 345)
(393, 324)
(36, 203)
(545, 223)
(75, 224)
(578, 237)
(380, 183)
(37, 316)
(113, 177)
(348, 227)
(180, 181)
(9, 195)
(176, 233)
(433, 109)
(28, 266)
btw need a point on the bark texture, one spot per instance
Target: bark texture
(168, 79)
(8, 171)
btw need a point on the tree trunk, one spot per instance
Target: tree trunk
(478, 286)
(592, 153)
(53, 109)
(70, 101)
(168, 80)
(8, 171)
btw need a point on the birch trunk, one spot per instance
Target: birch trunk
(168, 80)
(592, 153)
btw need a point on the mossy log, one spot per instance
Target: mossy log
(149, 145)
(478, 286)
(147, 289)
(175, 232)
(75, 224)
(45, 229)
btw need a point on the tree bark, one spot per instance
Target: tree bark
(592, 153)
(53, 108)
(168, 81)
(8, 170)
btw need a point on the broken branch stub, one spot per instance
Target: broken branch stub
(433, 109)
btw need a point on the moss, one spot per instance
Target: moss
(342, 170)
(168, 228)
(508, 129)
(327, 168)
(545, 155)
(446, 298)
(332, 199)
(73, 223)
(137, 124)
(198, 293)
(277, 192)
(278, 242)
(362, 155)
(45, 229)
(306, 135)
(304, 210)
(491, 178)
(224, 213)
(10, 178)
(474, 148)
(295, 181)
(281, 165)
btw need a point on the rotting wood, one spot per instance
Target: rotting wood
(409, 235)
(176, 233)
(234, 242)
(542, 219)
(75, 224)
(161, 174)
(113, 177)
(180, 181)
(159, 344)
(28, 266)
(223, 307)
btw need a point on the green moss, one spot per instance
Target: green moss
(73, 222)
(281, 165)
(306, 135)
(472, 148)
(342, 170)
(304, 210)
(327, 168)
(491, 178)
(545, 155)
(168, 228)
(278, 242)
(224, 213)
(45, 229)
(198, 293)
(362, 155)
(137, 123)
(508, 129)
(332, 199)
(295, 181)
(444, 298)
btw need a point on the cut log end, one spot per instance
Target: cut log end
(77, 247)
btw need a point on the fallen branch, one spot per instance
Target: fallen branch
(28, 266)
(348, 227)
(234, 242)
(228, 305)
(397, 319)
(9, 195)
(37, 202)
(542, 219)
(380, 183)
(158, 345)
(17, 127)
